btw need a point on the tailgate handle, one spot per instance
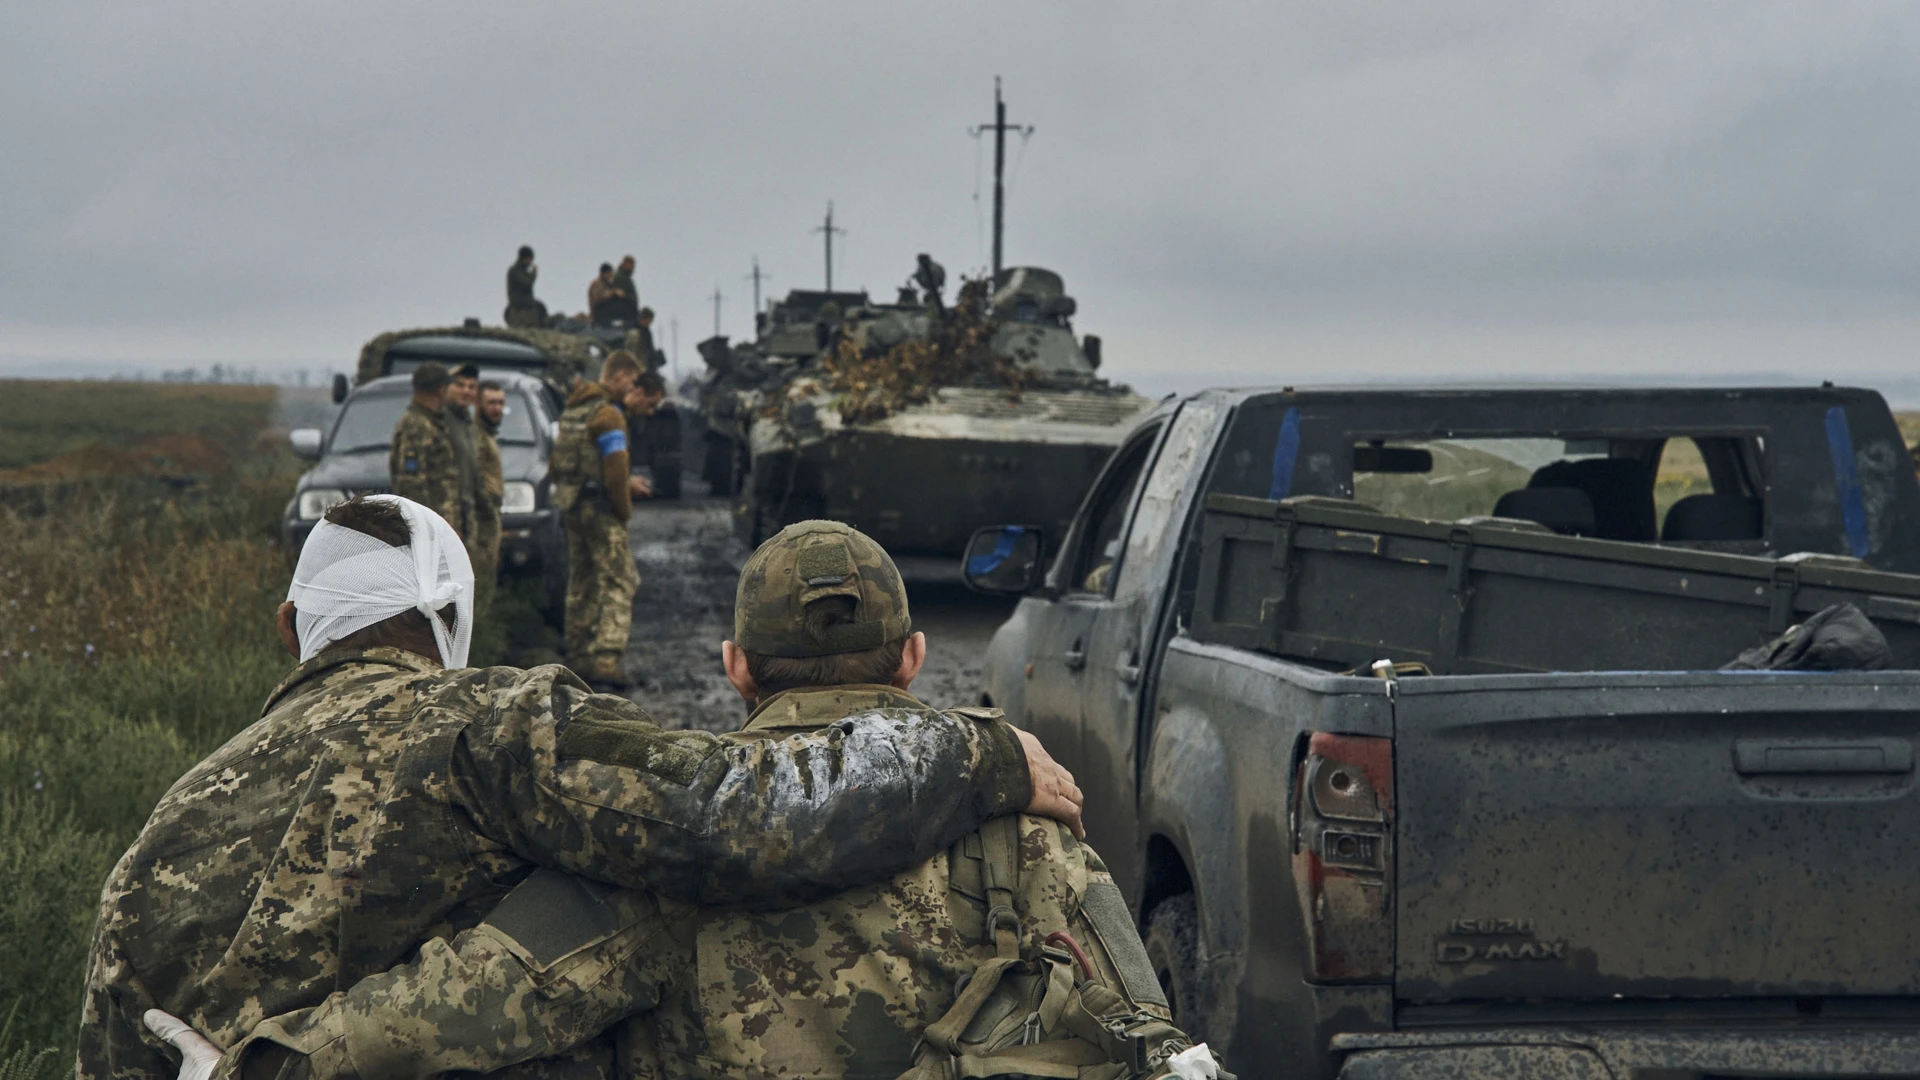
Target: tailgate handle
(1755, 757)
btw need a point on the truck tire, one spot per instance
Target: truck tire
(1173, 946)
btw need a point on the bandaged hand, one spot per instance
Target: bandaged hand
(198, 1056)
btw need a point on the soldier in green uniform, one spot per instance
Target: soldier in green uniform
(386, 798)
(522, 309)
(493, 488)
(867, 983)
(463, 427)
(627, 298)
(594, 489)
(424, 463)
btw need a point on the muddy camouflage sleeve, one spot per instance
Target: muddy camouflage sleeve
(586, 783)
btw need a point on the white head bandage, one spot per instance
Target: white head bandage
(347, 581)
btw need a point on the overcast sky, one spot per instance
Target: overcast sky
(1233, 192)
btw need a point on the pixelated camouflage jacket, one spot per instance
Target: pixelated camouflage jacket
(381, 802)
(424, 465)
(843, 987)
(486, 457)
(464, 432)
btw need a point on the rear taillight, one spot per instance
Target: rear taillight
(1343, 856)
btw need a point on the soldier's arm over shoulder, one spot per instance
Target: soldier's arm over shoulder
(587, 783)
(607, 427)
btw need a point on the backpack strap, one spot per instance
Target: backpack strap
(1000, 875)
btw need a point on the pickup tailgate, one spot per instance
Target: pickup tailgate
(1657, 835)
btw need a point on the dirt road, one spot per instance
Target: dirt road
(689, 561)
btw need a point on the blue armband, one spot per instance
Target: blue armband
(613, 442)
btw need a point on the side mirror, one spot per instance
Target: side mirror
(1091, 346)
(339, 389)
(305, 442)
(1004, 560)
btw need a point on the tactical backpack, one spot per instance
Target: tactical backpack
(1085, 1005)
(575, 464)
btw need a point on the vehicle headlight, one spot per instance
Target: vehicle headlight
(315, 501)
(518, 498)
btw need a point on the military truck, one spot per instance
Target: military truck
(1399, 719)
(953, 447)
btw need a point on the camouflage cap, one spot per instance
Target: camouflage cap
(809, 561)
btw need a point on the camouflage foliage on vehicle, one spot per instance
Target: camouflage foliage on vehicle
(870, 382)
(569, 356)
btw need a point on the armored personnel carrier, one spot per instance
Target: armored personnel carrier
(912, 421)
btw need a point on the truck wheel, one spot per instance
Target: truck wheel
(1173, 946)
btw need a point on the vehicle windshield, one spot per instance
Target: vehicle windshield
(516, 423)
(367, 423)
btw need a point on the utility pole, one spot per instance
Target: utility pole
(757, 277)
(716, 310)
(829, 230)
(999, 127)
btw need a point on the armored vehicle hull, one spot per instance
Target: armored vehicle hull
(922, 480)
(914, 422)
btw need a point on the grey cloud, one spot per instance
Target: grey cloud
(229, 169)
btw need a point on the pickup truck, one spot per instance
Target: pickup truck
(1399, 719)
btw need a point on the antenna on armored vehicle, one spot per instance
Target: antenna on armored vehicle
(999, 127)
(756, 277)
(829, 230)
(716, 298)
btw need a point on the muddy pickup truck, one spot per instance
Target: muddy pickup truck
(1400, 719)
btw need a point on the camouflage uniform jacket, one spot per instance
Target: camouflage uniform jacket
(464, 431)
(520, 279)
(424, 464)
(486, 457)
(380, 802)
(844, 987)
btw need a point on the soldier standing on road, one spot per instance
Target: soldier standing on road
(387, 796)
(867, 983)
(463, 398)
(594, 489)
(522, 309)
(424, 465)
(493, 487)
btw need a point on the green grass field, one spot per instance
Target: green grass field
(135, 638)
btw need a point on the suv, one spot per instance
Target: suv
(350, 458)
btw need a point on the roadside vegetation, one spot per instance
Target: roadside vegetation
(134, 638)
(137, 589)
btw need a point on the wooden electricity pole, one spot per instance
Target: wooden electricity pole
(828, 230)
(999, 127)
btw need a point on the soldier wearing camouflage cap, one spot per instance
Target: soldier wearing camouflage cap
(424, 463)
(867, 983)
(389, 794)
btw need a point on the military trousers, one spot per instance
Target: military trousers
(484, 551)
(601, 581)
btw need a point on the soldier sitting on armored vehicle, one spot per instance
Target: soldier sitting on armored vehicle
(523, 311)
(605, 299)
